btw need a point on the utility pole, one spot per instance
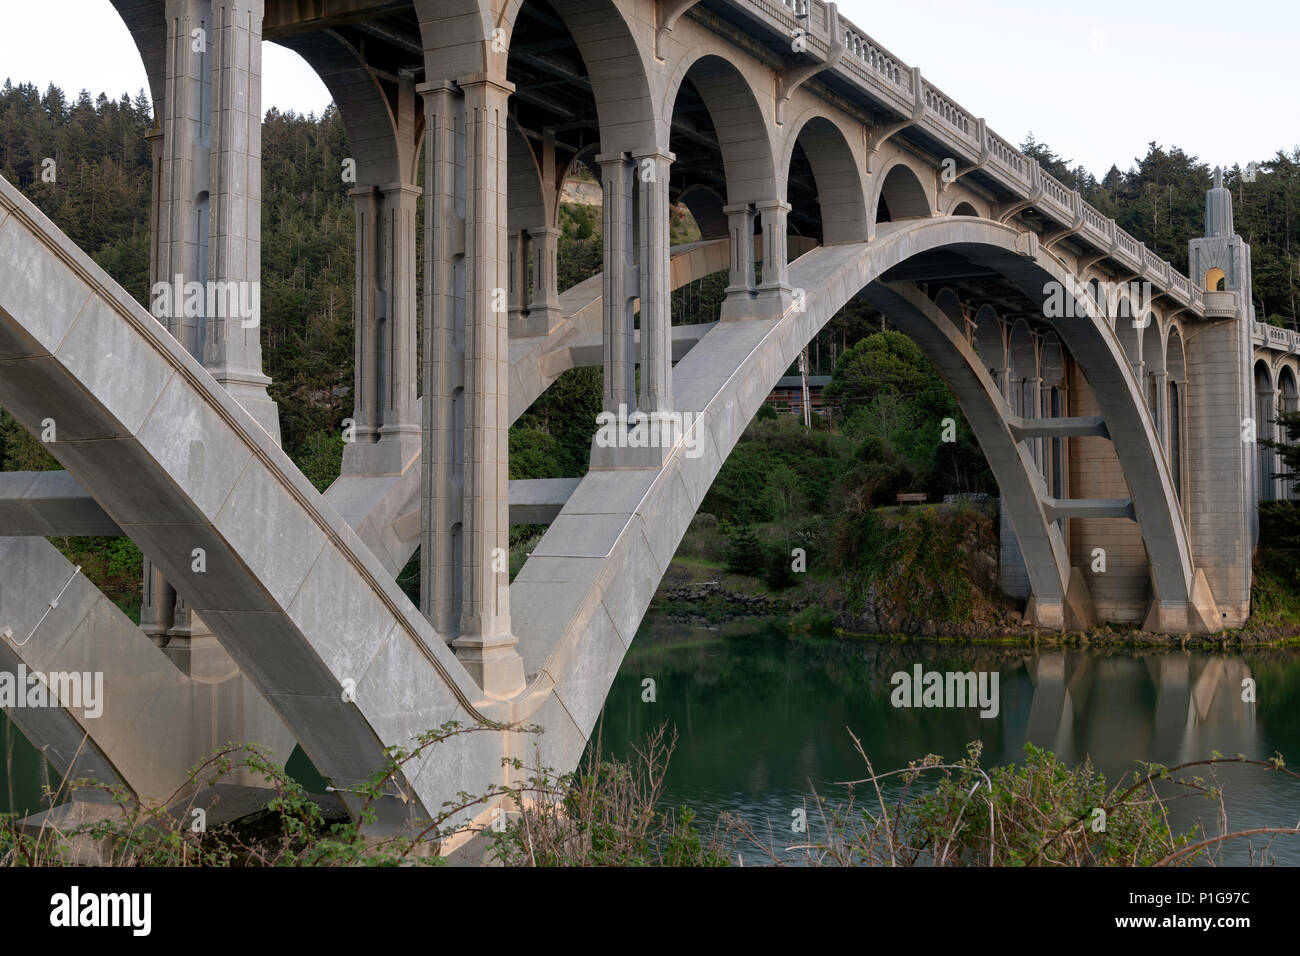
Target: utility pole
(803, 375)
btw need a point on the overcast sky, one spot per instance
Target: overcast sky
(1096, 80)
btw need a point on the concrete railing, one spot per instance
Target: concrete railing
(887, 79)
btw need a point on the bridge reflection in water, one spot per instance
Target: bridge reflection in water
(761, 713)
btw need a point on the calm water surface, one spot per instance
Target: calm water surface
(763, 717)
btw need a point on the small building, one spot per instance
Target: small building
(788, 395)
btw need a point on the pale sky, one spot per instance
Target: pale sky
(1095, 80)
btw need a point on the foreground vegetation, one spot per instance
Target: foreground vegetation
(609, 813)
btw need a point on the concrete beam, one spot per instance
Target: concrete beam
(1026, 428)
(1089, 508)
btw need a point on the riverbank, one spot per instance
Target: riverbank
(934, 559)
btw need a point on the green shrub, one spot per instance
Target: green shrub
(745, 554)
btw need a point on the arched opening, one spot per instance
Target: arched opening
(1024, 371)
(823, 186)
(719, 134)
(950, 305)
(1265, 412)
(901, 196)
(1054, 406)
(705, 205)
(964, 209)
(1153, 364)
(990, 344)
(1129, 332)
(1288, 401)
(1176, 371)
(1214, 280)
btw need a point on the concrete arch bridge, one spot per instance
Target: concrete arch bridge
(1107, 391)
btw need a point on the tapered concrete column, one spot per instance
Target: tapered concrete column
(443, 445)
(741, 284)
(485, 644)
(655, 281)
(544, 313)
(232, 342)
(774, 294)
(619, 282)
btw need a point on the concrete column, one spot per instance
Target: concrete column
(367, 311)
(181, 164)
(1003, 378)
(1160, 382)
(741, 285)
(184, 148)
(655, 281)
(443, 436)
(485, 643)
(1034, 387)
(399, 409)
(517, 269)
(386, 409)
(158, 597)
(232, 342)
(544, 313)
(619, 282)
(774, 296)
(157, 604)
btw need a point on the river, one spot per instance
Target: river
(763, 717)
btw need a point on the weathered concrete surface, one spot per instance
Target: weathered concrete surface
(151, 723)
(302, 606)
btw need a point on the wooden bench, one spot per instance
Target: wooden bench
(912, 497)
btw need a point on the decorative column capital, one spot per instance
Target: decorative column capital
(654, 152)
(436, 86)
(470, 80)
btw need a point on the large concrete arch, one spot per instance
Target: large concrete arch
(583, 591)
(839, 184)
